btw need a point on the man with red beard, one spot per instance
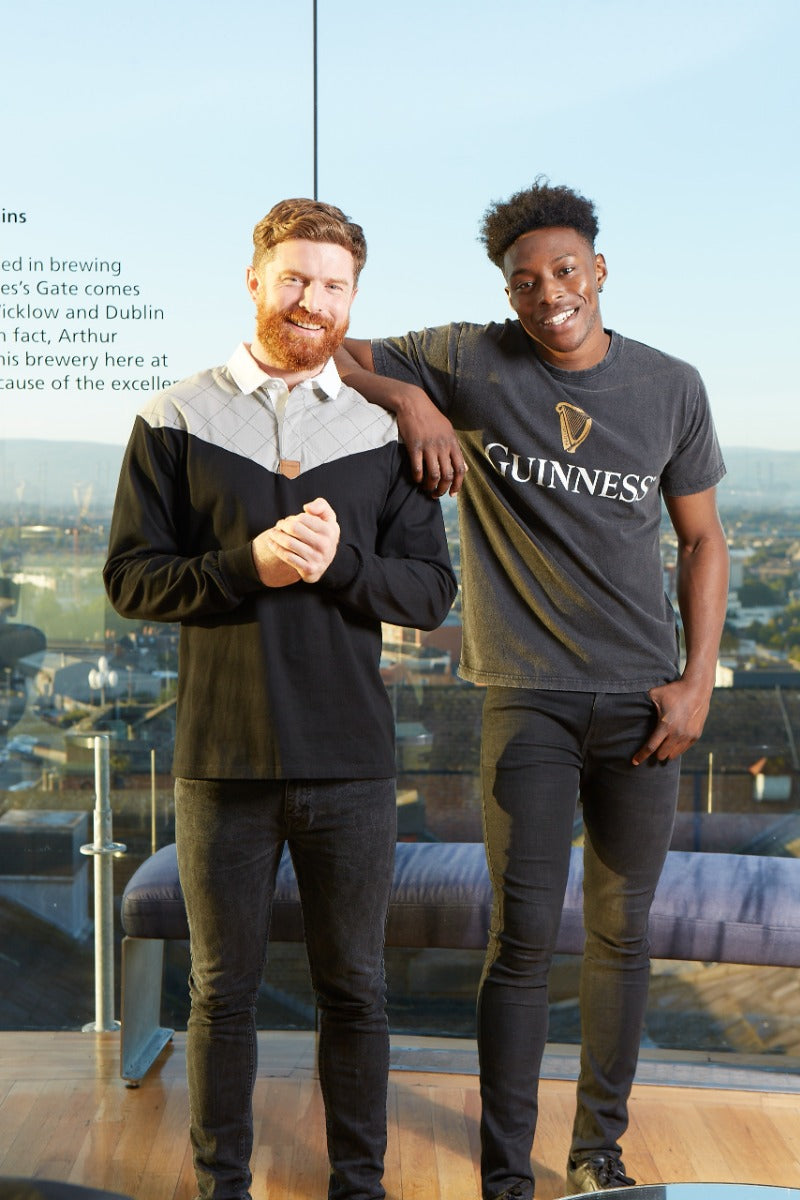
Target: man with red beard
(243, 513)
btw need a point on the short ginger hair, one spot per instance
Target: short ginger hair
(313, 221)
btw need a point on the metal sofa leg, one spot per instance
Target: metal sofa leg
(142, 1037)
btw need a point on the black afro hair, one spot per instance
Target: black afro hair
(538, 207)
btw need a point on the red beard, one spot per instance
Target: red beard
(290, 350)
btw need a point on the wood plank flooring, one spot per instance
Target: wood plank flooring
(66, 1114)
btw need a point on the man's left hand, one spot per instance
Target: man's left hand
(682, 710)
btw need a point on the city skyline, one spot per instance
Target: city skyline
(72, 476)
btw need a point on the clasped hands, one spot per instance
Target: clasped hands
(301, 546)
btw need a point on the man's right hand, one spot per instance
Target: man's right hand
(272, 570)
(430, 440)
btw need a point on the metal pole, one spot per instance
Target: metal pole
(314, 58)
(103, 850)
(787, 724)
(153, 838)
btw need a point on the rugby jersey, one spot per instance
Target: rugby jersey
(274, 683)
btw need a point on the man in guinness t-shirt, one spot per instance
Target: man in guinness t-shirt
(571, 435)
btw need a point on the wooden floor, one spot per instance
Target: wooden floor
(65, 1114)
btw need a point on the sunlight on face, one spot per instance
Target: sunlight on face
(303, 293)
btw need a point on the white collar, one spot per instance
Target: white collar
(249, 376)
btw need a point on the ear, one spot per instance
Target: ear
(600, 270)
(253, 282)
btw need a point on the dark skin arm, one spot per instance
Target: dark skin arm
(702, 549)
(702, 598)
(429, 438)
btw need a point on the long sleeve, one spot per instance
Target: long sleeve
(407, 579)
(273, 683)
(151, 572)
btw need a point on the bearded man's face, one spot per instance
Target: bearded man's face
(303, 293)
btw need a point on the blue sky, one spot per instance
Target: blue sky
(158, 134)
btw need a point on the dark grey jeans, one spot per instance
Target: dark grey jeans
(341, 834)
(541, 750)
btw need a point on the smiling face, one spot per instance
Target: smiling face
(302, 291)
(552, 277)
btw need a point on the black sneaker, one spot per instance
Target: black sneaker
(599, 1173)
(515, 1192)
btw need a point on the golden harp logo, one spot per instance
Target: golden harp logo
(575, 425)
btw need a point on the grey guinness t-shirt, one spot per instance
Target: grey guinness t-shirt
(560, 510)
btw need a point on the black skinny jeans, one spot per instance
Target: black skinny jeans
(541, 751)
(341, 834)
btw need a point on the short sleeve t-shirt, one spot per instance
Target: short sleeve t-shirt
(560, 511)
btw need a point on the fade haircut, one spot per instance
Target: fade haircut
(313, 221)
(538, 207)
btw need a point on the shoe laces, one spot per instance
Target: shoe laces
(609, 1170)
